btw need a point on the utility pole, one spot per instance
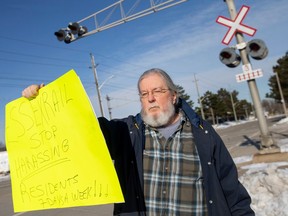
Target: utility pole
(212, 114)
(266, 138)
(281, 95)
(199, 99)
(233, 107)
(96, 82)
(109, 107)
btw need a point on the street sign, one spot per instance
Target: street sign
(249, 75)
(236, 25)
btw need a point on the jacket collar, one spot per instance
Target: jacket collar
(190, 113)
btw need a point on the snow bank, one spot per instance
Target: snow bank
(267, 184)
(282, 121)
(4, 165)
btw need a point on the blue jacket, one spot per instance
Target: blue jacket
(125, 139)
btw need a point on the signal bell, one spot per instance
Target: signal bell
(257, 49)
(229, 57)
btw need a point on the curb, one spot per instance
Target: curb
(276, 155)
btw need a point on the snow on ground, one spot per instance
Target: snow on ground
(231, 123)
(282, 121)
(4, 165)
(267, 183)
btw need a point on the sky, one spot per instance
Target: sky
(184, 40)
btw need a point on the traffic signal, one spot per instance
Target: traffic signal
(257, 49)
(64, 35)
(77, 29)
(229, 57)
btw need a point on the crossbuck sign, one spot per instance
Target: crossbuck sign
(236, 25)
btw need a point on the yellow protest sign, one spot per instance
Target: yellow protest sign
(57, 153)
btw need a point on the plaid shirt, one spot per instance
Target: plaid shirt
(173, 183)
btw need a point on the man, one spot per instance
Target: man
(168, 160)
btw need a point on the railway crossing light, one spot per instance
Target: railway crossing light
(257, 49)
(64, 35)
(71, 33)
(60, 34)
(77, 29)
(229, 57)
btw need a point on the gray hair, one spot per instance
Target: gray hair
(167, 79)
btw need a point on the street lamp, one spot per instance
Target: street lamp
(98, 87)
(110, 77)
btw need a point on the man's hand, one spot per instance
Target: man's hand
(32, 91)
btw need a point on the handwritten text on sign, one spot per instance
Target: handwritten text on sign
(57, 153)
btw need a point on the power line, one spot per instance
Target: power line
(37, 56)
(35, 63)
(69, 49)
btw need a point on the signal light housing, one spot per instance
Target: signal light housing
(229, 57)
(68, 37)
(68, 34)
(257, 49)
(60, 34)
(74, 27)
(64, 35)
(77, 29)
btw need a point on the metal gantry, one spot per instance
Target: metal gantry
(111, 16)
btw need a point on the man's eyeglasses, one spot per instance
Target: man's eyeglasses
(155, 92)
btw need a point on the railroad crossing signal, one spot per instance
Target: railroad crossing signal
(229, 57)
(257, 50)
(236, 25)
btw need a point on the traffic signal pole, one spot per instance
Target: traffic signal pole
(266, 138)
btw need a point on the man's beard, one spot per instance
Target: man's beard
(161, 119)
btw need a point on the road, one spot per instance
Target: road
(244, 139)
(241, 139)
